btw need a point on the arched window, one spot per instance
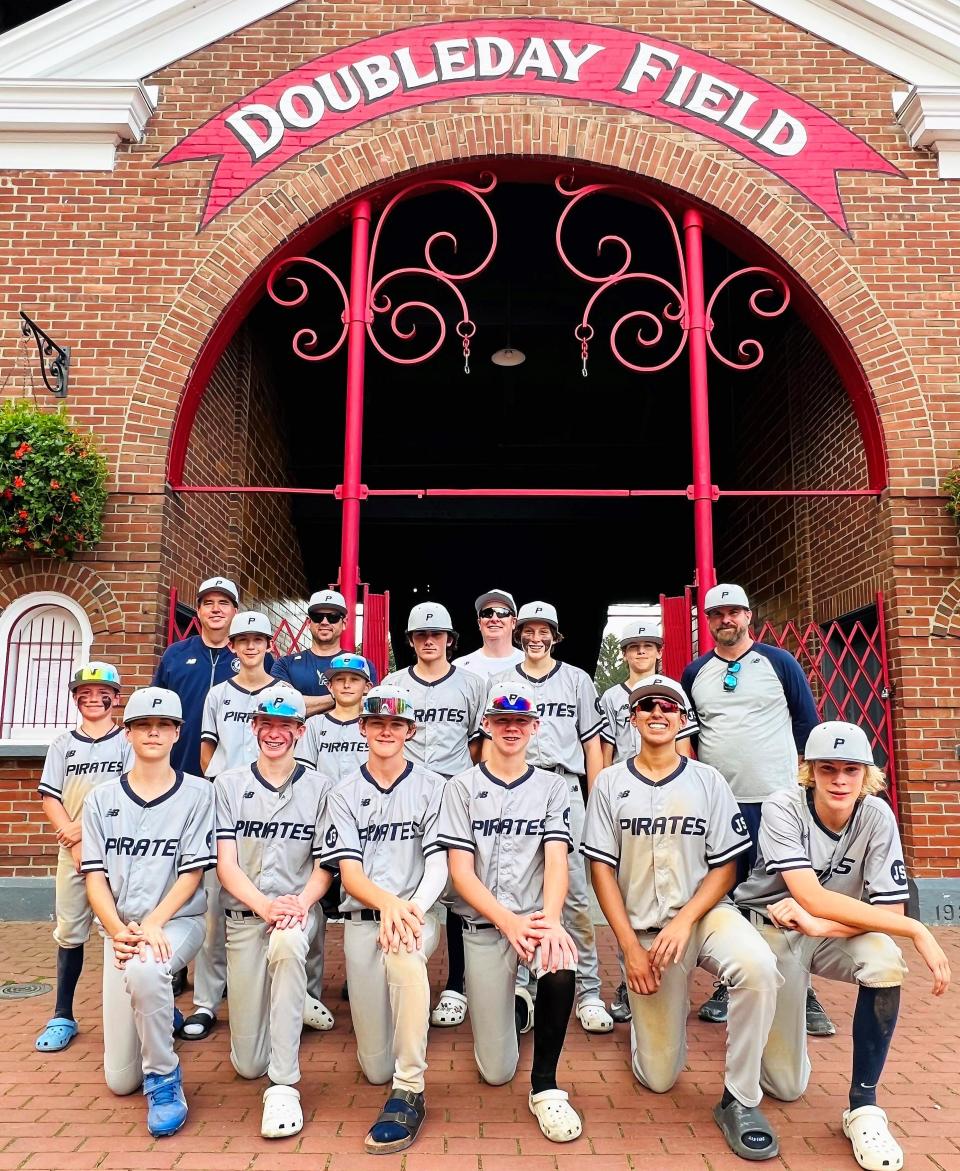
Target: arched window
(44, 637)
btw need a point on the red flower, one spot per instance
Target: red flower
(23, 514)
(19, 482)
(80, 537)
(54, 483)
(23, 529)
(75, 498)
(8, 493)
(22, 450)
(83, 454)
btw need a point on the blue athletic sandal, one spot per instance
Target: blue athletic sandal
(398, 1124)
(57, 1035)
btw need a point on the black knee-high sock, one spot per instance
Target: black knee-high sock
(69, 967)
(454, 952)
(555, 991)
(874, 1021)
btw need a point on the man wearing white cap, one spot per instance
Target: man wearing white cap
(195, 664)
(663, 834)
(566, 741)
(754, 709)
(496, 617)
(306, 671)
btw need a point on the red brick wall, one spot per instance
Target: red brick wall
(28, 848)
(112, 264)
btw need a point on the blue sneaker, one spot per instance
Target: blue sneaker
(166, 1105)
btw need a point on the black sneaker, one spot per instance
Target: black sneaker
(620, 1006)
(818, 1023)
(715, 1009)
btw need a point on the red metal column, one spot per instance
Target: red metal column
(703, 492)
(353, 439)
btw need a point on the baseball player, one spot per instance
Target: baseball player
(506, 828)
(333, 743)
(662, 834)
(226, 741)
(448, 704)
(147, 838)
(827, 892)
(269, 817)
(381, 831)
(641, 644)
(195, 664)
(76, 763)
(567, 742)
(754, 710)
(496, 617)
(306, 671)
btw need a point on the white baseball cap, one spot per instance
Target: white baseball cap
(836, 740)
(153, 701)
(642, 631)
(659, 685)
(725, 595)
(282, 703)
(250, 622)
(390, 702)
(513, 698)
(501, 596)
(220, 585)
(538, 612)
(430, 616)
(328, 599)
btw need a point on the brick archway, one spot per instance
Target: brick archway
(224, 286)
(70, 578)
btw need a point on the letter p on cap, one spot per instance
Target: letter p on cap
(838, 740)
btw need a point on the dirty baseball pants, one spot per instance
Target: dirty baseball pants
(872, 960)
(724, 944)
(389, 1003)
(491, 977)
(138, 1008)
(577, 918)
(266, 988)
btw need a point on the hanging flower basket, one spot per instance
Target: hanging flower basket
(53, 484)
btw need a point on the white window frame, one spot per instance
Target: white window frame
(8, 619)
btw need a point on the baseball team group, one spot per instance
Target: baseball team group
(243, 800)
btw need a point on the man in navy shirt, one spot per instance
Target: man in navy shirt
(307, 670)
(755, 711)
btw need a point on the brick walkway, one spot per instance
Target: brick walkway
(55, 1111)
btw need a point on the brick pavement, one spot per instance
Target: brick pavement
(56, 1113)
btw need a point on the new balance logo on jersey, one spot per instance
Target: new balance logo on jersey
(142, 847)
(482, 794)
(249, 793)
(72, 752)
(295, 831)
(440, 715)
(364, 802)
(509, 826)
(389, 831)
(116, 813)
(624, 795)
(655, 827)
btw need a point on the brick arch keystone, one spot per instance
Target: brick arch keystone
(74, 579)
(319, 181)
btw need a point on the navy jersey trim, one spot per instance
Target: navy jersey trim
(125, 786)
(341, 723)
(534, 679)
(77, 735)
(504, 784)
(93, 866)
(298, 771)
(246, 691)
(598, 855)
(365, 773)
(48, 792)
(715, 860)
(656, 784)
(451, 843)
(431, 682)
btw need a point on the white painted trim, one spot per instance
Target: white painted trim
(918, 40)
(930, 115)
(104, 39)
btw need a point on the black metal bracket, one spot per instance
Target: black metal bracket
(54, 359)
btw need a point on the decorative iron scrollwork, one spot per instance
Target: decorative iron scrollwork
(54, 359)
(749, 349)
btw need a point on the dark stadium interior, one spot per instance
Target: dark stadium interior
(537, 425)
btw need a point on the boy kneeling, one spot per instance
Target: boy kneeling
(381, 831)
(268, 834)
(147, 838)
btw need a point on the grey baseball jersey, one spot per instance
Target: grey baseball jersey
(144, 846)
(75, 764)
(228, 713)
(505, 828)
(276, 831)
(448, 713)
(865, 859)
(662, 838)
(615, 703)
(389, 831)
(477, 663)
(331, 746)
(570, 714)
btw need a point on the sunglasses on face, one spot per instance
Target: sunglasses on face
(669, 707)
(333, 619)
(511, 703)
(495, 612)
(389, 705)
(730, 679)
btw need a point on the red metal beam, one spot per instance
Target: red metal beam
(420, 493)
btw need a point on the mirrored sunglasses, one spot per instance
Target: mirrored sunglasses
(511, 703)
(387, 705)
(669, 707)
(495, 612)
(730, 679)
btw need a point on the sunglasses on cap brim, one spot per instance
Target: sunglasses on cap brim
(387, 705)
(665, 703)
(510, 705)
